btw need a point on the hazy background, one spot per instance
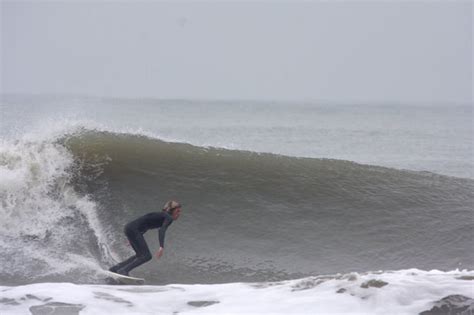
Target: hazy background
(396, 52)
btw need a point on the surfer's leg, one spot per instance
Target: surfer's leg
(123, 263)
(130, 234)
(141, 248)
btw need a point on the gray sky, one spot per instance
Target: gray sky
(397, 51)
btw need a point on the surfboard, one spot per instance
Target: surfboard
(121, 279)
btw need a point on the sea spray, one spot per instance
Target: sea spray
(43, 217)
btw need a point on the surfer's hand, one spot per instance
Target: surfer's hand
(159, 253)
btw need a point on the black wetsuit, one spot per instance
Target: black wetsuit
(134, 232)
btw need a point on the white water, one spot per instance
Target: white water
(35, 196)
(406, 292)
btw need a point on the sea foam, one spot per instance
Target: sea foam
(393, 292)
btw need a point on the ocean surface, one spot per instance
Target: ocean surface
(274, 194)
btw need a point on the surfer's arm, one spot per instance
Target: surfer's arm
(162, 231)
(161, 236)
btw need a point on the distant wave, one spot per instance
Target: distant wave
(247, 216)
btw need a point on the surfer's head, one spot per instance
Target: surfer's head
(173, 208)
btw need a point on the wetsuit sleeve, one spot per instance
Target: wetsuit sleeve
(161, 232)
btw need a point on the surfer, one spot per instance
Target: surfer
(134, 231)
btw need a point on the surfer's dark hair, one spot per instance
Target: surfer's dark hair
(171, 205)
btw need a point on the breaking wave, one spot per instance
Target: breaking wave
(247, 216)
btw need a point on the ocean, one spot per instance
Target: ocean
(293, 205)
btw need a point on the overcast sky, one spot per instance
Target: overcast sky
(396, 51)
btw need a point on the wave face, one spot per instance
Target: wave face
(246, 216)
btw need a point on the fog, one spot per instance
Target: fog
(416, 52)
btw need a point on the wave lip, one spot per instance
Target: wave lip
(409, 291)
(391, 136)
